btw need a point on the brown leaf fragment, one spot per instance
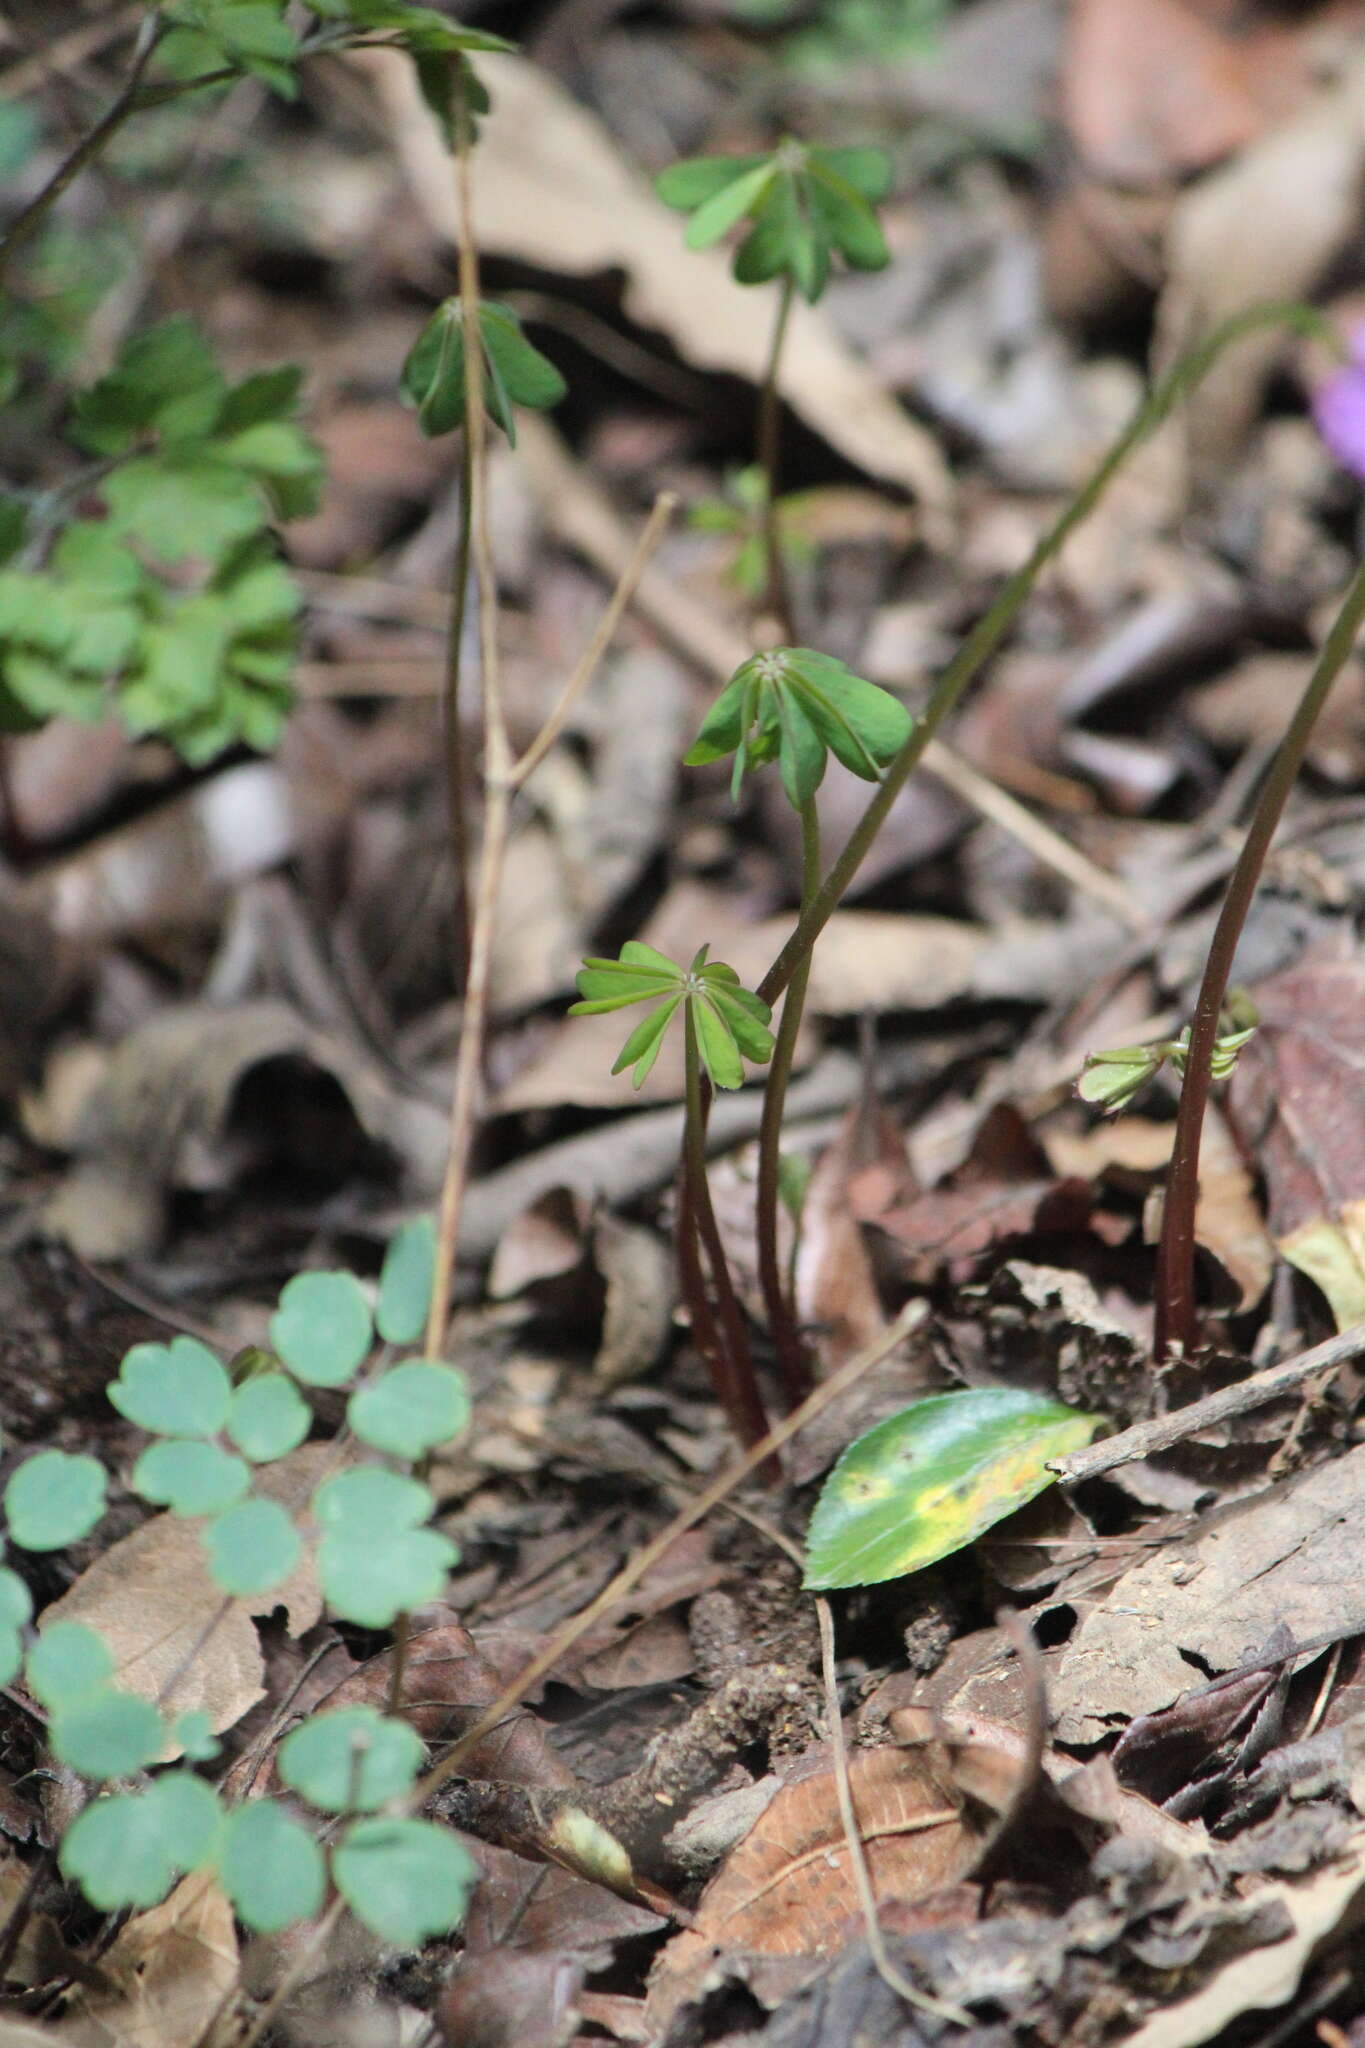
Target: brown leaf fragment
(171, 1968)
(1297, 1107)
(511, 2001)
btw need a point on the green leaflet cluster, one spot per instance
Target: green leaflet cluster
(1112, 1079)
(731, 1024)
(802, 204)
(797, 707)
(514, 371)
(98, 616)
(376, 1557)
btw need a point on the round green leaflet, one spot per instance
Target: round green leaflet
(54, 1499)
(374, 1559)
(190, 1477)
(107, 1734)
(253, 1547)
(352, 1760)
(931, 1479)
(405, 1282)
(406, 1879)
(268, 1417)
(410, 1409)
(67, 1661)
(270, 1867)
(128, 1849)
(322, 1328)
(175, 1389)
(16, 1610)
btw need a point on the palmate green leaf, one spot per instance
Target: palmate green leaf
(252, 34)
(165, 380)
(411, 1409)
(802, 204)
(127, 1850)
(252, 1547)
(374, 1559)
(800, 706)
(406, 1879)
(868, 171)
(931, 1479)
(271, 1867)
(641, 1049)
(352, 1760)
(322, 1329)
(175, 1389)
(638, 976)
(405, 1282)
(716, 1043)
(718, 214)
(190, 1477)
(515, 372)
(184, 501)
(268, 1417)
(691, 183)
(846, 220)
(54, 1498)
(420, 28)
(727, 1018)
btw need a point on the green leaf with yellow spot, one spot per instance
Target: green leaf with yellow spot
(933, 1478)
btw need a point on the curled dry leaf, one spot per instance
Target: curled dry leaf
(175, 1639)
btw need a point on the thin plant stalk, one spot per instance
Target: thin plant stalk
(457, 791)
(769, 451)
(735, 1382)
(1176, 1322)
(792, 1363)
(990, 630)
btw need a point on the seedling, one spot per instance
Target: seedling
(739, 516)
(1111, 1080)
(802, 204)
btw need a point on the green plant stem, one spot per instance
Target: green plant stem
(769, 451)
(986, 636)
(792, 1363)
(91, 146)
(732, 1366)
(1176, 1322)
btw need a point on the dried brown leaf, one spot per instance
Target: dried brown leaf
(171, 1968)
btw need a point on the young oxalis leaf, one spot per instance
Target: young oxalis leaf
(798, 707)
(732, 1025)
(927, 1481)
(1112, 1079)
(514, 371)
(802, 204)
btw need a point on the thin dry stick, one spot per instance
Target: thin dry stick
(857, 1857)
(292, 1977)
(1144, 1438)
(665, 505)
(644, 1560)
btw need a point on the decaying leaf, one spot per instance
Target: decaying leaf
(1297, 1105)
(170, 1970)
(152, 1599)
(1291, 1555)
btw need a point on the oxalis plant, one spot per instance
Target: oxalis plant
(215, 1433)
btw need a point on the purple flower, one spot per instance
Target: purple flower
(1339, 409)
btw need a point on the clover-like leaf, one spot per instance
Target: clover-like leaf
(375, 1559)
(106, 1733)
(514, 371)
(930, 1479)
(67, 1662)
(190, 1477)
(406, 1879)
(127, 1850)
(53, 1499)
(271, 1867)
(797, 707)
(729, 1020)
(175, 1389)
(352, 1760)
(322, 1328)
(268, 1416)
(252, 1547)
(405, 1282)
(802, 204)
(411, 1409)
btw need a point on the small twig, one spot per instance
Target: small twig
(644, 1560)
(628, 584)
(769, 448)
(1146, 1438)
(27, 223)
(894, 1978)
(293, 1975)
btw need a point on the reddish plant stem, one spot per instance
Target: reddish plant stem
(1176, 1320)
(732, 1367)
(769, 449)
